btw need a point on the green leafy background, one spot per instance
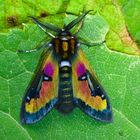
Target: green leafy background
(116, 63)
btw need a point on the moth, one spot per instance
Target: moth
(64, 78)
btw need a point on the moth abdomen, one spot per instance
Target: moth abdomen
(65, 93)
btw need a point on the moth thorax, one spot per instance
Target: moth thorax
(65, 47)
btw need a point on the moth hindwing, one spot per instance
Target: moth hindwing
(64, 79)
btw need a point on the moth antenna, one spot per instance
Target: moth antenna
(77, 20)
(46, 26)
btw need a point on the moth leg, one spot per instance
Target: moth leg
(36, 49)
(92, 44)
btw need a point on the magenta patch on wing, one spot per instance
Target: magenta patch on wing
(80, 69)
(49, 69)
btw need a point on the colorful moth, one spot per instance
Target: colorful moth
(64, 79)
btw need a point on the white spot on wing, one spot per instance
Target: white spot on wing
(46, 78)
(102, 96)
(28, 98)
(83, 77)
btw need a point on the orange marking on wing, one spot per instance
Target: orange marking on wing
(98, 103)
(46, 94)
(84, 93)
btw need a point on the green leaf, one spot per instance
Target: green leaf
(117, 70)
(11, 129)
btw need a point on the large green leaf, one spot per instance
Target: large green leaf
(117, 70)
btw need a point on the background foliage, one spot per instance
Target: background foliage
(117, 64)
